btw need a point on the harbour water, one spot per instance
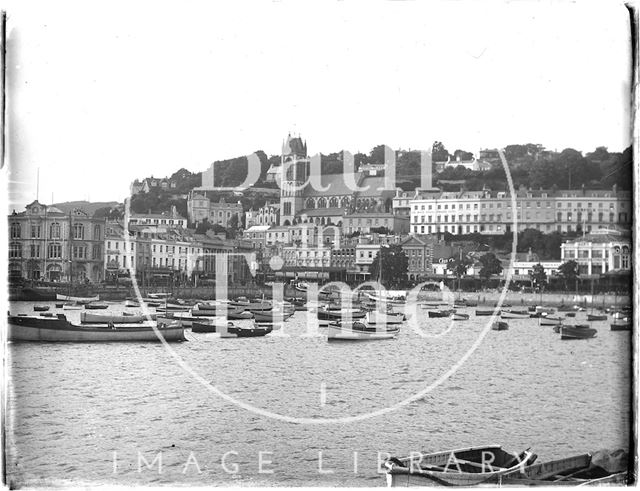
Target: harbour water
(97, 413)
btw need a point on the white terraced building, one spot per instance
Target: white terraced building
(492, 213)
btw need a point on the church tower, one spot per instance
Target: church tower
(294, 156)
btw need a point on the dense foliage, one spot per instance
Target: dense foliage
(394, 264)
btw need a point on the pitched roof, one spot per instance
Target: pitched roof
(337, 185)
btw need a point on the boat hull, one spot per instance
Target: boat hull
(68, 298)
(56, 330)
(572, 332)
(340, 333)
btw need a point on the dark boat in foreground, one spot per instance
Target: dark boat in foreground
(96, 306)
(441, 313)
(40, 308)
(59, 329)
(463, 467)
(623, 324)
(500, 326)
(577, 331)
(597, 317)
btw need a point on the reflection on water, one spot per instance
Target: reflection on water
(98, 413)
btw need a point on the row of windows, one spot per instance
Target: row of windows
(519, 204)
(117, 245)
(589, 216)
(78, 231)
(54, 251)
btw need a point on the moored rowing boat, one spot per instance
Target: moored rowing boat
(462, 467)
(59, 329)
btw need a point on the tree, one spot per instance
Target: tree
(569, 271)
(463, 155)
(394, 266)
(490, 265)
(439, 152)
(233, 222)
(538, 276)
(459, 266)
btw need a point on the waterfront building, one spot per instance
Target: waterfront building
(119, 251)
(599, 252)
(419, 252)
(492, 213)
(238, 254)
(165, 254)
(162, 220)
(47, 244)
(269, 214)
(201, 207)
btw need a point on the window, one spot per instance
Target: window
(79, 252)
(96, 232)
(15, 250)
(161, 248)
(16, 231)
(96, 251)
(35, 231)
(78, 231)
(35, 250)
(117, 245)
(54, 251)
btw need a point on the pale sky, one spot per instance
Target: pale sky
(101, 93)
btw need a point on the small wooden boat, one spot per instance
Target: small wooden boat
(596, 317)
(500, 326)
(159, 295)
(244, 331)
(578, 331)
(565, 308)
(68, 298)
(212, 326)
(514, 314)
(40, 308)
(623, 324)
(131, 303)
(603, 467)
(96, 306)
(173, 307)
(487, 313)
(459, 317)
(359, 331)
(375, 317)
(59, 305)
(271, 316)
(91, 318)
(59, 329)
(441, 313)
(464, 467)
(549, 320)
(542, 309)
(570, 314)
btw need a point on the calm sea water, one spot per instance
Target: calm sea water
(94, 414)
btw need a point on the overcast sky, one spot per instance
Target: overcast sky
(101, 96)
